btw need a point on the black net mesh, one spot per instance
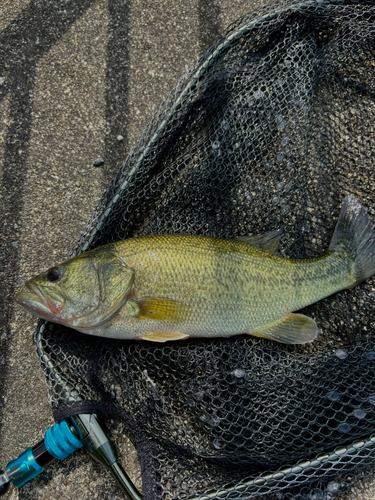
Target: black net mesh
(272, 128)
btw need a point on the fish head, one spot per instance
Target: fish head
(82, 292)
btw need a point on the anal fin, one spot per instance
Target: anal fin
(291, 329)
(163, 336)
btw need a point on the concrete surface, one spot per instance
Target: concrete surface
(74, 74)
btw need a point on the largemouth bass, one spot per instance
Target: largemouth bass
(171, 287)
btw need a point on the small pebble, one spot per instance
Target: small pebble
(99, 162)
(280, 156)
(280, 124)
(15, 243)
(333, 487)
(333, 396)
(214, 421)
(359, 413)
(341, 354)
(285, 210)
(370, 355)
(120, 138)
(344, 428)
(3, 336)
(224, 125)
(21, 372)
(239, 373)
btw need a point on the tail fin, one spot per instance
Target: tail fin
(355, 232)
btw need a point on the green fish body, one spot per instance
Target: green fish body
(172, 287)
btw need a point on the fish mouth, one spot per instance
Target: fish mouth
(35, 301)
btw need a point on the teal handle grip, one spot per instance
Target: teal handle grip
(27, 466)
(60, 441)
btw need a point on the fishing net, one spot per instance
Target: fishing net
(271, 129)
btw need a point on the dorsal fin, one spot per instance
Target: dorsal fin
(268, 241)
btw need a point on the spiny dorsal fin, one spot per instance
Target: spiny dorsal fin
(291, 329)
(268, 241)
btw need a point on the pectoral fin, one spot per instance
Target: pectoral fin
(163, 336)
(162, 309)
(291, 329)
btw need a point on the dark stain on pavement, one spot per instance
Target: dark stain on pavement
(117, 109)
(209, 23)
(29, 37)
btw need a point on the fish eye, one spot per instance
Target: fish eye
(54, 275)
